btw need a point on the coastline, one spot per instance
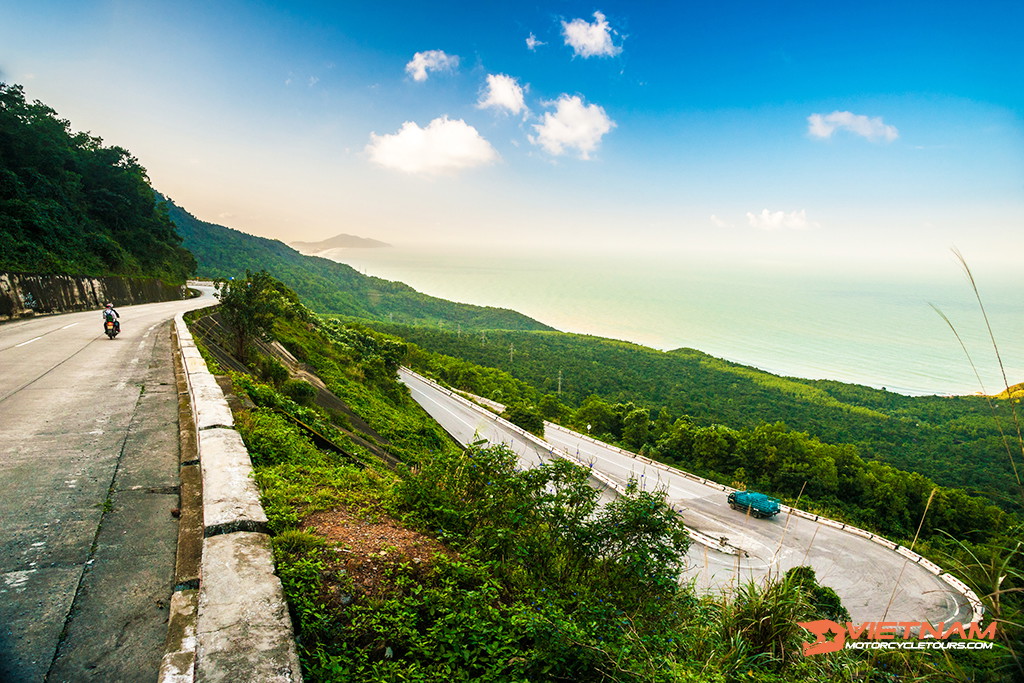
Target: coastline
(874, 330)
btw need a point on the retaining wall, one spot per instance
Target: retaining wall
(27, 295)
(239, 628)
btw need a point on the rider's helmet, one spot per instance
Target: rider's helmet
(110, 305)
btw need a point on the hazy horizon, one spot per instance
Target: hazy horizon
(879, 330)
(796, 132)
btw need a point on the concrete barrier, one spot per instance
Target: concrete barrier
(235, 626)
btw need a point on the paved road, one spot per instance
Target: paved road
(864, 574)
(467, 424)
(88, 479)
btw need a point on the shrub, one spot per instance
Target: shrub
(526, 416)
(300, 391)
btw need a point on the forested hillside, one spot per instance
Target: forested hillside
(328, 286)
(953, 440)
(70, 205)
(460, 565)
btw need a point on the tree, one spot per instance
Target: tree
(823, 599)
(526, 416)
(636, 428)
(68, 204)
(598, 418)
(553, 409)
(249, 307)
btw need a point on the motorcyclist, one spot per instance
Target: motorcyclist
(109, 313)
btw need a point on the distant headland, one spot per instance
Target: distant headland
(338, 242)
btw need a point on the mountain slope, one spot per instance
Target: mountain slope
(69, 205)
(953, 440)
(330, 287)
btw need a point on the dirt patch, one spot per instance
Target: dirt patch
(365, 549)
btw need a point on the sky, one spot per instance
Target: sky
(811, 131)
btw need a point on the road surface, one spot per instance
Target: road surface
(874, 582)
(88, 482)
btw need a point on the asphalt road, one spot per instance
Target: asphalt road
(874, 582)
(88, 480)
(467, 424)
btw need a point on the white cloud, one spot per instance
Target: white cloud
(780, 220)
(431, 60)
(873, 129)
(532, 43)
(574, 125)
(503, 93)
(718, 222)
(590, 40)
(444, 145)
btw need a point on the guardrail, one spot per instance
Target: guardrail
(239, 628)
(977, 609)
(554, 451)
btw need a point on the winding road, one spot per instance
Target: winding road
(88, 483)
(89, 459)
(875, 582)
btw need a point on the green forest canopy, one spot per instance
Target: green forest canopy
(953, 440)
(70, 205)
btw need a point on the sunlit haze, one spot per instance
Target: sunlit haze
(791, 131)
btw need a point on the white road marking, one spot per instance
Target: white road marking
(67, 326)
(17, 580)
(27, 342)
(445, 408)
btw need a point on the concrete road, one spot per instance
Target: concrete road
(467, 423)
(88, 482)
(874, 582)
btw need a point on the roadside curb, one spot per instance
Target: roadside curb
(229, 618)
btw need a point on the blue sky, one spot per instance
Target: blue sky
(786, 130)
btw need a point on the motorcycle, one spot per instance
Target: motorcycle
(110, 328)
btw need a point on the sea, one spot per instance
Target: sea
(870, 324)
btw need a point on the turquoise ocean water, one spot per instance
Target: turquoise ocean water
(871, 326)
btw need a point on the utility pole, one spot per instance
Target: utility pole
(511, 350)
(559, 382)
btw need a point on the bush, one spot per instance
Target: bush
(270, 370)
(526, 416)
(300, 391)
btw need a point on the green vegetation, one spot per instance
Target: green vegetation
(485, 572)
(251, 306)
(70, 205)
(490, 573)
(831, 479)
(526, 416)
(952, 440)
(330, 287)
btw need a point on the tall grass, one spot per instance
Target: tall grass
(996, 570)
(1006, 439)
